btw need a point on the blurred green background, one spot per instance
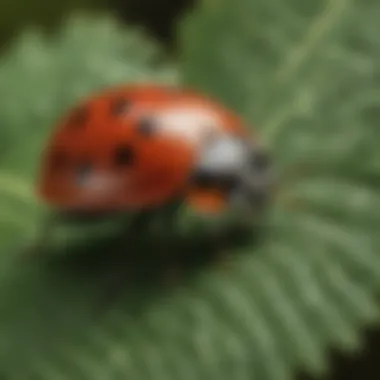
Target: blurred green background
(157, 16)
(299, 306)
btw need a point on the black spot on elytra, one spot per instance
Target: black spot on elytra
(119, 106)
(146, 126)
(79, 118)
(123, 156)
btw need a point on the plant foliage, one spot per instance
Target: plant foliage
(304, 75)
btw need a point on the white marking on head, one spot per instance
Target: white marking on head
(224, 155)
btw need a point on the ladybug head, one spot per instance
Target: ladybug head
(232, 173)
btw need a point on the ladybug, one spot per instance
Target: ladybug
(138, 147)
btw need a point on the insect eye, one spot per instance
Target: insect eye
(123, 156)
(146, 127)
(120, 106)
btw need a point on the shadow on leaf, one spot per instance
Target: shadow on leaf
(126, 270)
(62, 294)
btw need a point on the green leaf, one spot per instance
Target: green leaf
(303, 73)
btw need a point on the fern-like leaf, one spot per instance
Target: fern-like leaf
(305, 76)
